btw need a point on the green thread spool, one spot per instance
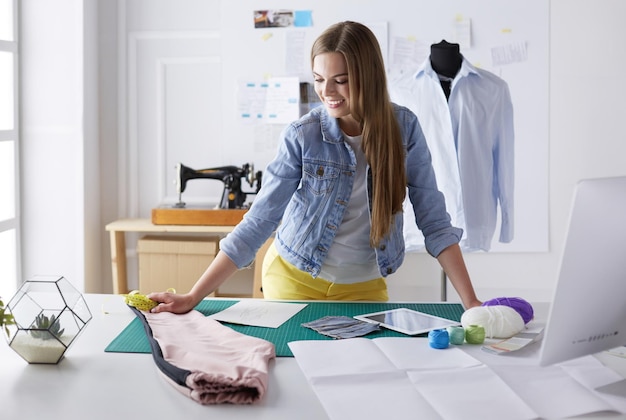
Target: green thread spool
(457, 335)
(475, 334)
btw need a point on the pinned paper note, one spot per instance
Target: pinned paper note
(510, 53)
(303, 18)
(463, 32)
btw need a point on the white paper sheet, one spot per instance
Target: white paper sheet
(259, 313)
(618, 351)
(551, 392)
(470, 393)
(399, 377)
(382, 395)
(411, 354)
(355, 378)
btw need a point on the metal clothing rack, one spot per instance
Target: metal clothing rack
(444, 286)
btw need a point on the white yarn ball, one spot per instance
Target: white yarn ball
(499, 321)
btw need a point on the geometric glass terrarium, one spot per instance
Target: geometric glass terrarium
(48, 313)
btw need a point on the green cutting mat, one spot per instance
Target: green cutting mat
(133, 338)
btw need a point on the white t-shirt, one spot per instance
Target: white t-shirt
(350, 258)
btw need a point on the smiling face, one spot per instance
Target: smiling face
(330, 74)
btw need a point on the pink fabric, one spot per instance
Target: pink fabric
(226, 366)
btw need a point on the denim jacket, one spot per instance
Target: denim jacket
(306, 188)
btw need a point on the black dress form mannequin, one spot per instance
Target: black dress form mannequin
(446, 59)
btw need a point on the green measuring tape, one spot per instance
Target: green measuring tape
(141, 302)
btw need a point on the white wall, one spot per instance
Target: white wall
(586, 139)
(60, 222)
(60, 194)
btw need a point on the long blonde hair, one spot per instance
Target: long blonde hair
(371, 107)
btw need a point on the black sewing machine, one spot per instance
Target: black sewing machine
(233, 196)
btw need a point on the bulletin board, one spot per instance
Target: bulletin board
(510, 39)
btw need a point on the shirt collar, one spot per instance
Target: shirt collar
(331, 131)
(426, 70)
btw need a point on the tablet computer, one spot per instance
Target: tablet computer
(407, 321)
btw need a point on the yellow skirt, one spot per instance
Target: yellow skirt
(281, 280)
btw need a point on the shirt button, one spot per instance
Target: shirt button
(383, 247)
(389, 270)
(320, 171)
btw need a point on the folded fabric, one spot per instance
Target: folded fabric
(207, 361)
(341, 327)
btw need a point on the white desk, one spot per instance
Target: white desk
(89, 383)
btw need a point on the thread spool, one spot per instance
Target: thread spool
(475, 334)
(438, 339)
(457, 335)
(522, 307)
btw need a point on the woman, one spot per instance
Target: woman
(334, 192)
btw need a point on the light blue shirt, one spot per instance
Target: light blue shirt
(306, 189)
(471, 138)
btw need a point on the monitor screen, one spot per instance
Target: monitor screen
(588, 310)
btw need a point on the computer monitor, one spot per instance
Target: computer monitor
(588, 310)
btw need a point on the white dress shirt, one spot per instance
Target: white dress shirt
(471, 139)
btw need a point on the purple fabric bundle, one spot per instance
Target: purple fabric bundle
(522, 307)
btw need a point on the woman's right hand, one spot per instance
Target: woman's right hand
(172, 302)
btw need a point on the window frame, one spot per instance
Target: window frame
(12, 46)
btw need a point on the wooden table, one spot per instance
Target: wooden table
(118, 231)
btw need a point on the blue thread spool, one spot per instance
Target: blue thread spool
(438, 339)
(457, 335)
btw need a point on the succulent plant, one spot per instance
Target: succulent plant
(45, 328)
(5, 318)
